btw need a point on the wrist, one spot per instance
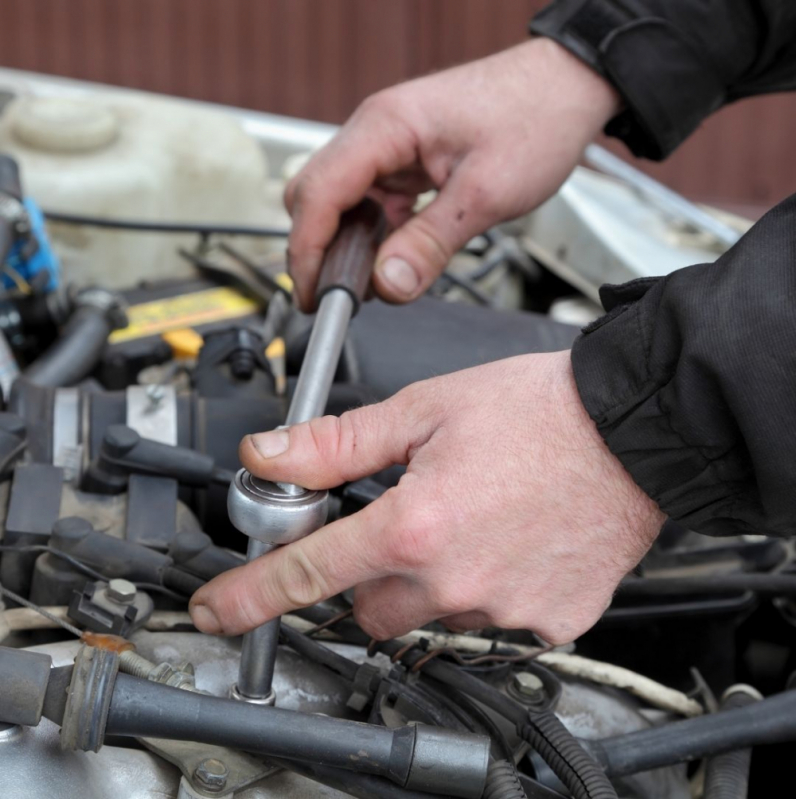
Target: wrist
(572, 85)
(643, 516)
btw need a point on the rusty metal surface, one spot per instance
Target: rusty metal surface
(318, 58)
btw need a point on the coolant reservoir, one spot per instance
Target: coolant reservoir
(142, 158)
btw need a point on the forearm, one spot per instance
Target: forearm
(676, 61)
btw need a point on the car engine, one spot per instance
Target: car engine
(138, 347)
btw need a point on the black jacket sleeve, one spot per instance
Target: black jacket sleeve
(691, 379)
(676, 61)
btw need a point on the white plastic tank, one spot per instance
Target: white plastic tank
(142, 158)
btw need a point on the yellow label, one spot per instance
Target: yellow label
(187, 310)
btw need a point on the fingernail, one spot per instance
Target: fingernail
(205, 620)
(400, 275)
(269, 445)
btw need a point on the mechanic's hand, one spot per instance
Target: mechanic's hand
(512, 512)
(497, 136)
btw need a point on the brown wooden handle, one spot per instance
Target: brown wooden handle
(350, 258)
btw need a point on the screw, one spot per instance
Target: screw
(121, 591)
(528, 686)
(211, 774)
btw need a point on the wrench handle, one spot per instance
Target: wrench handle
(350, 258)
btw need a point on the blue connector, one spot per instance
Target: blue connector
(43, 259)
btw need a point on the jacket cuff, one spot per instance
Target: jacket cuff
(694, 484)
(667, 85)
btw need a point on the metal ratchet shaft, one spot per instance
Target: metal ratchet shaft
(258, 653)
(274, 514)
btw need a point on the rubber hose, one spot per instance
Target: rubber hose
(727, 775)
(76, 352)
(776, 584)
(503, 782)
(181, 581)
(582, 776)
(318, 653)
(771, 720)
(362, 786)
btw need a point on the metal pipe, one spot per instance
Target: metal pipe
(665, 198)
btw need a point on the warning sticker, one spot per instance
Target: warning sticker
(187, 310)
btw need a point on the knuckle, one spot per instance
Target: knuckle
(371, 622)
(379, 103)
(513, 618)
(449, 598)
(438, 251)
(324, 434)
(412, 544)
(348, 434)
(299, 581)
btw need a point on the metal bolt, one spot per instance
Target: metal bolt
(131, 662)
(212, 775)
(121, 591)
(156, 393)
(528, 686)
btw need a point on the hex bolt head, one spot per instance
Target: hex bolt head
(528, 686)
(121, 591)
(155, 393)
(212, 775)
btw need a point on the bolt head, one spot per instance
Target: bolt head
(528, 685)
(156, 393)
(212, 774)
(121, 591)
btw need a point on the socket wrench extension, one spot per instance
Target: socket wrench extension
(274, 514)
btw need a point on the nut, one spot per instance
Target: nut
(528, 686)
(121, 591)
(211, 774)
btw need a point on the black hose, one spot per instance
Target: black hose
(543, 731)
(181, 581)
(363, 786)
(776, 584)
(556, 745)
(411, 756)
(772, 720)
(558, 748)
(76, 352)
(318, 653)
(145, 226)
(727, 775)
(503, 782)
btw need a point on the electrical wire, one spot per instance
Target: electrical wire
(466, 285)
(40, 610)
(86, 569)
(145, 226)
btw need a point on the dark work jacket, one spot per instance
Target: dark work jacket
(691, 378)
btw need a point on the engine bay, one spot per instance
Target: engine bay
(124, 404)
